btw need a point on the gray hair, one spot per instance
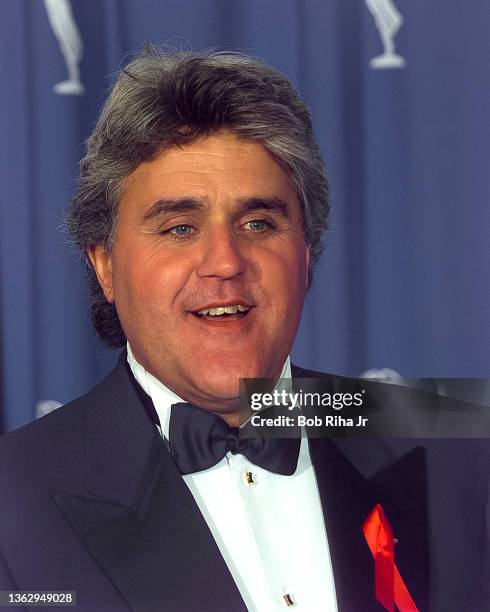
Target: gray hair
(163, 99)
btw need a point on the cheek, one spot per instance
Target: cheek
(130, 280)
(135, 295)
(284, 277)
(293, 268)
(144, 277)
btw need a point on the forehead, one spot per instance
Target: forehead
(216, 167)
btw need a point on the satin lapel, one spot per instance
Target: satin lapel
(347, 498)
(141, 524)
(402, 489)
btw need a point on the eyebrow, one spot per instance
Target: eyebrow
(172, 205)
(273, 204)
(161, 207)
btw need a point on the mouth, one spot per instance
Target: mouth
(222, 312)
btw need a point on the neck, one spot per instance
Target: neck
(229, 409)
(231, 419)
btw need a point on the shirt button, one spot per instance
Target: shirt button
(249, 478)
(288, 600)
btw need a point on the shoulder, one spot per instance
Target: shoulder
(298, 372)
(51, 445)
(36, 461)
(43, 437)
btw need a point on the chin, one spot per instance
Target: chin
(224, 382)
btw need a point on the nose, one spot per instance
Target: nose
(222, 255)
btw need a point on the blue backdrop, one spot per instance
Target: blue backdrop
(404, 279)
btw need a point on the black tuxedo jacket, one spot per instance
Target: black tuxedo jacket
(92, 502)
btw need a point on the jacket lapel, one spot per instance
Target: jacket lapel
(137, 517)
(347, 498)
(402, 490)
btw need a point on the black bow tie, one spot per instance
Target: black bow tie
(199, 439)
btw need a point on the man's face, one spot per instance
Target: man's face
(208, 225)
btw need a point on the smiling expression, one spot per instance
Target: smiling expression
(209, 268)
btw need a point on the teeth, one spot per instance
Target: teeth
(220, 310)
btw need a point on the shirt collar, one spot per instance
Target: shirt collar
(163, 398)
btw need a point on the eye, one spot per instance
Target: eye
(258, 225)
(182, 230)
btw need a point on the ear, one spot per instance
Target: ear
(102, 263)
(307, 263)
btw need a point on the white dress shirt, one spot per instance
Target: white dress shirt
(270, 532)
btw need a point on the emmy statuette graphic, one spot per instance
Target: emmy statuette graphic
(388, 21)
(66, 31)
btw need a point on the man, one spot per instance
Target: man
(201, 207)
